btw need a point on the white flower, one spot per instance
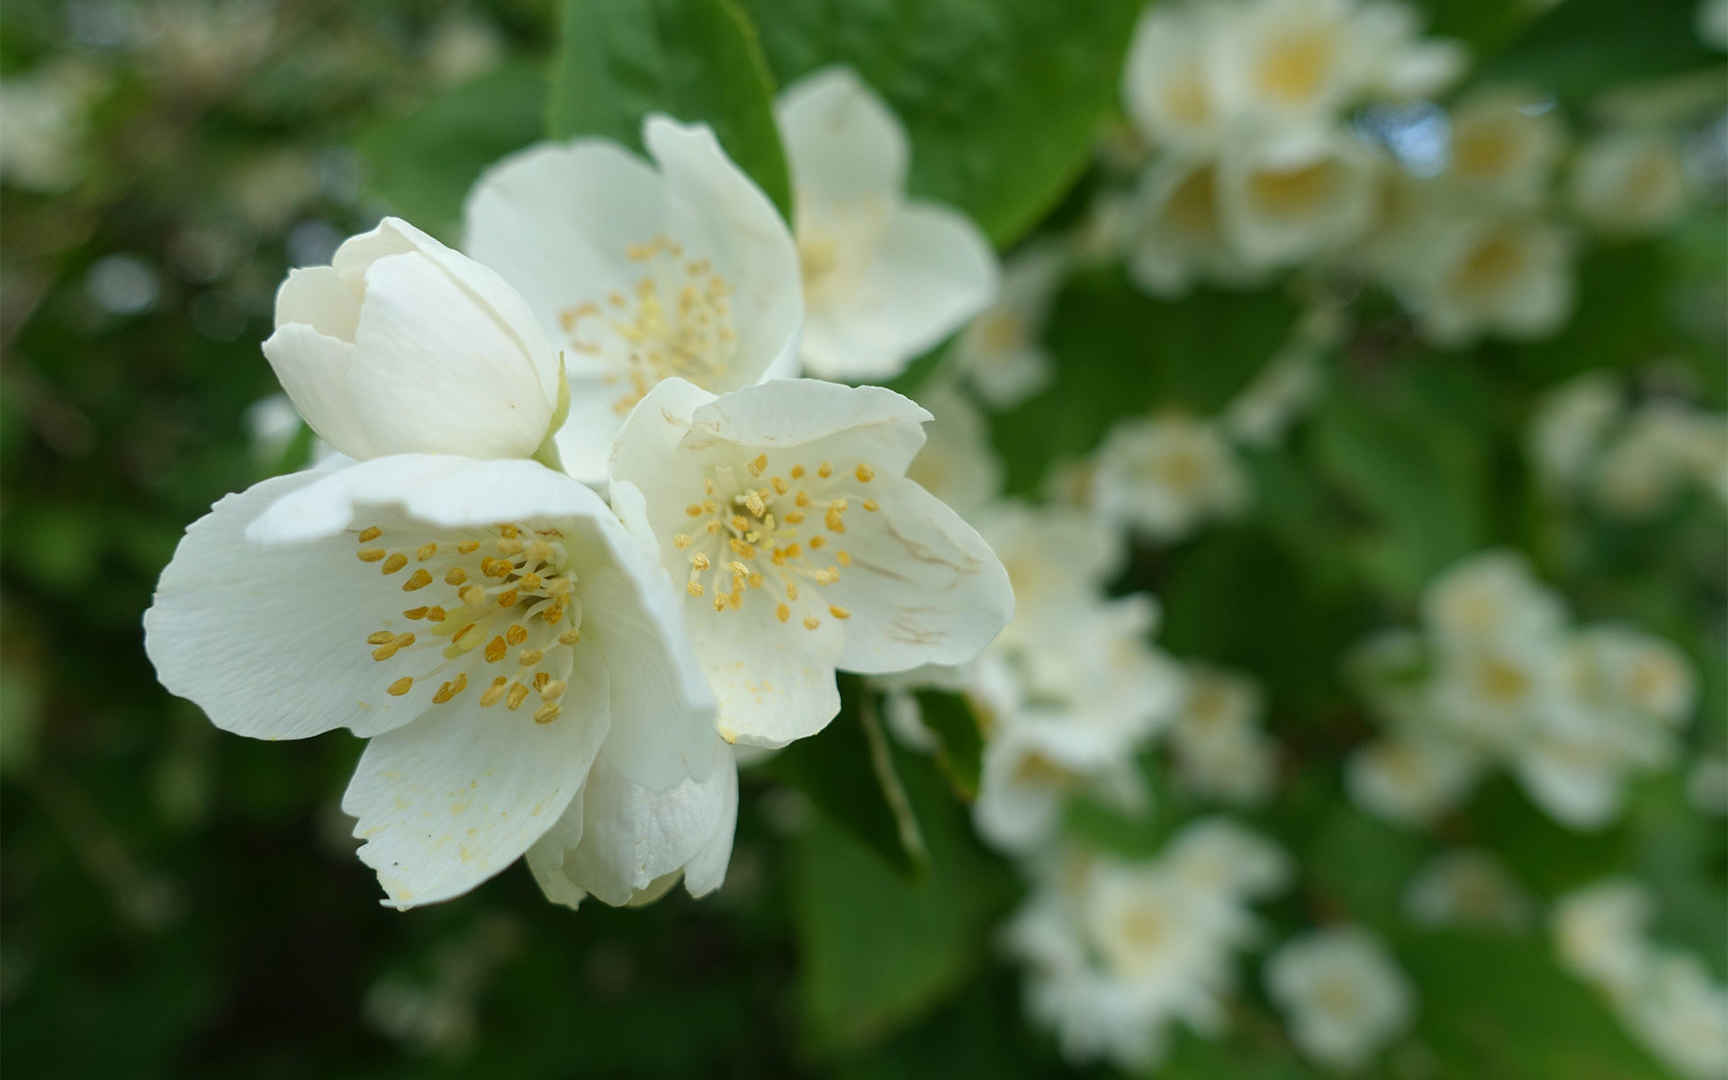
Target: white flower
(1166, 475)
(1410, 779)
(1390, 670)
(785, 512)
(1640, 680)
(958, 464)
(1497, 692)
(1058, 559)
(1682, 1014)
(43, 142)
(1629, 181)
(1599, 932)
(1570, 425)
(1038, 758)
(1181, 236)
(1341, 994)
(1488, 273)
(1401, 64)
(1001, 352)
(642, 271)
(489, 627)
(1213, 854)
(1289, 199)
(1219, 748)
(1663, 447)
(1466, 888)
(1490, 596)
(1167, 82)
(402, 345)
(885, 278)
(1504, 145)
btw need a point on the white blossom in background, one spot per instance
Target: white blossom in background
(1058, 559)
(1490, 596)
(1116, 953)
(1712, 23)
(1629, 181)
(1001, 352)
(1489, 273)
(784, 512)
(957, 464)
(1569, 427)
(640, 271)
(1467, 887)
(1681, 1013)
(1168, 83)
(1181, 236)
(463, 46)
(1664, 448)
(1504, 146)
(1342, 995)
(1035, 759)
(1218, 746)
(1410, 778)
(1599, 932)
(1291, 199)
(1166, 475)
(47, 111)
(885, 277)
(514, 657)
(402, 345)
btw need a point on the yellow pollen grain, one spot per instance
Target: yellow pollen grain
(797, 471)
(400, 686)
(508, 598)
(817, 541)
(824, 470)
(844, 558)
(694, 509)
(811, 622)
(839, 612)
(371, 554)
(694, 588)
(380, 637)
(682, 540)
(394, 563)
(509, 532)
(468, 547)
(495, 650)
(370, 534)
(699, 561)
(517, 695)
(427, 550)
(871, 505)
(570, 637)
(474, 596)
(516, 635)
(834, 520)
(864, 473)
(794, 517)
(530, 657)
(455, 576)
(435, 614)
(494, 692)
(760, 465)
(780, 485)
(791, 590)
(450, 689)
(547, 713)
(419, 579)
(415, 613)
(782, 613)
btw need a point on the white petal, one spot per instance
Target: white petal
(445, 803)
(842, 143)
(869, 423)
(706, 870)
(931, 271)
(545, 858)
(923, 587)
(774, 681)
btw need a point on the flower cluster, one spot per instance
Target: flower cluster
(578, 533)
(1497, 676)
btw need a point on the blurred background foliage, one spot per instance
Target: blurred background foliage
(179, 902)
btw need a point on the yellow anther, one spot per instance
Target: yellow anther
(495, 567)
(530, 581)
(553, 613)
(516, 635)
(416, 613)
(839, 612)
(682, 540)
(791, 590)
(780, 485)
(782, 612)
(427, 550)
(531, 657)
(694, 509)
(551, 689)
(801, 500)
(455, 576)
(817, 541)
(404, 640)
(370, 534)
(541, 679)
(738, 568)
(547, 713)
(871, 505)
(509, 532)
(811, 622)
(380, 637)
(517, 695)
(760, 465)
(419, 579)
(864, 473)
(694, 588)
(495, 650)
(450, 689)
(741, 549)
(494, 692)
(468, 547)
(797, 471)
(508, 598)
(825, 470)
(699, 561)
(794, 517)
(474, 596)
(435, 614)
(510, 547)
(371, 554)
(385, 651)
(844, 558)
(719, 601)
(834, 520)
(793, 551)
(828, 575)
(394, 563)
(754, 503)
(561, 586)
(400, 686)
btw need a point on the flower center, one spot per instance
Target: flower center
(509, 613)
(1295, 67)
(676, 321)
(1294, 192)
(759, 528)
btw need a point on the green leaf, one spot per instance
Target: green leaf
(422, 163)
(1583, 47)
(878, 950)
(960, 745)
(1499, 1008)
(1121, 354)
(1001, 98)
(697, 61)
(848, 772)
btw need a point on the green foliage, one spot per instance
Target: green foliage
(1001, 99)
(1583, 47)
(960, 744)
(698, 61)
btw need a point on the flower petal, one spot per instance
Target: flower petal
(774, 680)
(842, 142)
(446, 802)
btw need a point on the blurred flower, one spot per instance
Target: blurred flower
(680, 268)
(884, 278)
(957, 464)
(1712, 23)
(538, 581)
(1682, 1014)
(1663, 448)
(1219, 749)
(1001, 352)
(463, 46)
(1167, 475)
(1168, 81)
(1504, 146)
(1341, 994)
(1467, 888)
(1629, 181)
(747, 491)
(1490, 596)
(1410, 778)
(1058, 560)
(1506, 275)
(1599, 932)
(1288, 200)
(42, 142)
(1181, 235)
(402, 345)
(1570, 425)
